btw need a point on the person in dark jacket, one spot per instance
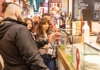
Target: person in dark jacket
(17, 47)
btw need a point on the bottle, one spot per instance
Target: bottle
(70, 22)
(67, 25)
(73, 28)
(86, 32)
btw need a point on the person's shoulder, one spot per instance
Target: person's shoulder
(18, 26)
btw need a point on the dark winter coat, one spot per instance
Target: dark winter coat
(18, 49)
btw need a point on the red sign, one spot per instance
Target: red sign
(77, 59)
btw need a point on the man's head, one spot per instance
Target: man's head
(36, 18)
(47, 15)
(12, 10)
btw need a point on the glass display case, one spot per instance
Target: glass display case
(86, 56)
(79, 55)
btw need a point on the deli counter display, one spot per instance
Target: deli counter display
(86, 56)
(80, 56)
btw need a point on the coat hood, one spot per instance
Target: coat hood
(6, 23)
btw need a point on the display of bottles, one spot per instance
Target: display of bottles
(69, 23)
(86, 32)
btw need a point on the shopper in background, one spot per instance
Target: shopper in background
(36, 20)
(18, 49)
(48, 52)
(29, 23)
(52, 26)
(30, 26)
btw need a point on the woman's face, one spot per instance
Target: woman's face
(29, 24)
(45, 26)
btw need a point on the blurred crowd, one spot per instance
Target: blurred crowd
(27, 43)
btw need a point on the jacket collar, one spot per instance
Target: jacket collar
(13, 20)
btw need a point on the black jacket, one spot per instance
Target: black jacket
(17, 47)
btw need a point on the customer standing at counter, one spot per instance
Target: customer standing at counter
(48, 52)
(17, 47)
(48, 16)
(36, 21)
